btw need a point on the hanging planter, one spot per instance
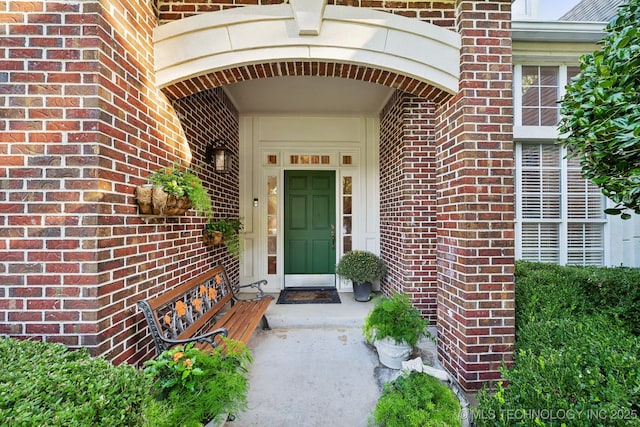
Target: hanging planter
(155, 201)
(212, 238)
(224, 230)
(172, 191)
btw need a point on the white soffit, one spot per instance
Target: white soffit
(557, 31)
(215, 41)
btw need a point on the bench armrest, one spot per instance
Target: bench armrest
(257, 285)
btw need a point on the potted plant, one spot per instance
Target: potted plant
(224, 230)
(172, 191)
(362, 268)
(394, 326)
(192, 387)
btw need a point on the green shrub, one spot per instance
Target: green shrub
(545, 291)
(615, 291)
(417, 400)
(44, 384)
(575, 385)
(396, 318)
(577, 360)
(192, 387)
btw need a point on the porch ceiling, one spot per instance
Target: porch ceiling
(308, 95)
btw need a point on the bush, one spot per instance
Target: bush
(44, 384)
(577, 360)
(417, 400)
(546, 291)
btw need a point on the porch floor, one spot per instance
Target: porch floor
(314, 368)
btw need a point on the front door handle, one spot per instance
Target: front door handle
(333, 236)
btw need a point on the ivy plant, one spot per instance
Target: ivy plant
(600, 111)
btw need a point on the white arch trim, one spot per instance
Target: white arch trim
(306, 30)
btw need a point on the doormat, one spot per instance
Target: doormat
(308, 296)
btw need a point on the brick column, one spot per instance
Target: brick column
(408, 199)
(475, 252)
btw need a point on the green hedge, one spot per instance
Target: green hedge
(44, 384)
(577, 350)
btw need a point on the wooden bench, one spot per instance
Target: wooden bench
(203, 309)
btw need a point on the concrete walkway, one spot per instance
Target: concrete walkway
(313, 369)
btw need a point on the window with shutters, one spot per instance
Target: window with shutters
(559, 214)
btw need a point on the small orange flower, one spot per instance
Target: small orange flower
(177, 356)
(181, 308)
(197, 303)
(218, 279)
(212, 293)
(203, 290)
(168, 171)
(193, 183)
(188, 363)
(167, 320)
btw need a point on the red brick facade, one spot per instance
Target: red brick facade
(83, 124)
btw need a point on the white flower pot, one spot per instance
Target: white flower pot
(391, 353)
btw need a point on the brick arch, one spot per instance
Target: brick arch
(184, 88)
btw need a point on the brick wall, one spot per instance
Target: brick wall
(475, 201)
(408, 199)
(82, 125)
(441, 13)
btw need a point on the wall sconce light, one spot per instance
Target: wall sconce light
(219, 156)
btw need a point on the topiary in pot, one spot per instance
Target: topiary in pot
(394, 326)
(362, 268)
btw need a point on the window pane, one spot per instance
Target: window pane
(272, 224)
(572, 72)
(540, 242)
(540, 181)
(584, 199)
(548, 76)
(585, 244)
(347, 213)
(548, 116)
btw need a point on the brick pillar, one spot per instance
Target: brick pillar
(475, 252)
(408, 199)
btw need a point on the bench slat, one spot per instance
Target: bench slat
(242, 322)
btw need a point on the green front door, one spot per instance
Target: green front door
(309, 230)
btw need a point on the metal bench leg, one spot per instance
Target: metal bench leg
(265, 323)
